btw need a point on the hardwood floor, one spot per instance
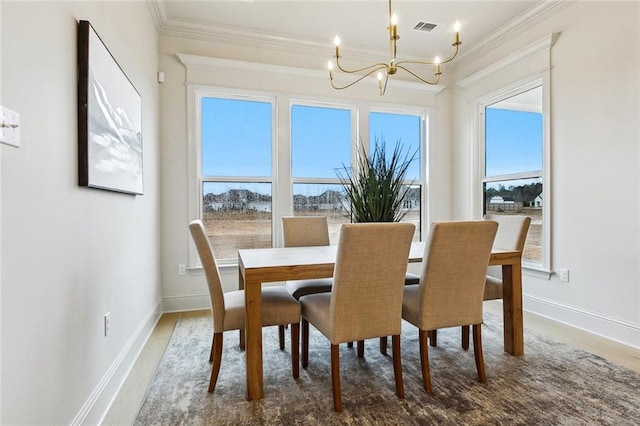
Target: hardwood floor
(127, 403)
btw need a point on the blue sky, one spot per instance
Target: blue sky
(320, 141)
(513, 141)
(236, 137)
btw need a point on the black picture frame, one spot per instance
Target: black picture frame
(109, 119)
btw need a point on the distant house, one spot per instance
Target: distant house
(411, 204)
(215, 206)
(500, 204)
(537, 202)
(259, 206)
(501, 200)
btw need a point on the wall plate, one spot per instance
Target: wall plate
(9, 127)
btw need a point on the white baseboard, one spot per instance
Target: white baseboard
(610, 328)
(192, 302)
(97, 405)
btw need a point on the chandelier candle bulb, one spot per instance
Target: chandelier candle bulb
(456, 28)
(394, 26)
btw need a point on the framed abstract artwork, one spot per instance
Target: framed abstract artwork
(109, 119)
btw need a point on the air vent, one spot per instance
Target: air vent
(424, 26)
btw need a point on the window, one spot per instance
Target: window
(256, 157)
(236, 184)
(321, 142)
(512, 181)
(407, 130)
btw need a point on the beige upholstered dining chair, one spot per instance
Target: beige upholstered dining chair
(511, 235)
(451, 285)
(306, 231)
(366, 297)
(228, 309)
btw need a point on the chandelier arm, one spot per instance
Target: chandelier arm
(453, 56)
(420, 78)
(429, 62)
(415, 62)
(359, 79)
(383, 89)
(379, 66)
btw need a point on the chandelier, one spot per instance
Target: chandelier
(384, 70)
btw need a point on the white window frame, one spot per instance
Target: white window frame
(542, 269)
(195, 94)
(353, 130)
(281, 179)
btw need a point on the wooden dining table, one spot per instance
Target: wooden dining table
(258, 266)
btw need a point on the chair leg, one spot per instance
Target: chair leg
(383, 345)
(242, 340)
(349, 344)
(433, 337)
(424, 360)
(465, 337)
(217, 358)
(305, 343)
(360, 348)
(213, 342)
(335, 377)
(477, 352)
(281, 336)
(397, 365)
(295, 349)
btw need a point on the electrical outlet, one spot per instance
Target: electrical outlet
(563, 273)
(107, 323)
(182, 269)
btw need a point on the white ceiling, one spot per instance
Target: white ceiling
(361, 24)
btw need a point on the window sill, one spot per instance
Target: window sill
(198, 268)
(536, 272)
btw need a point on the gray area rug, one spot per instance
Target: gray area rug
(552, 384)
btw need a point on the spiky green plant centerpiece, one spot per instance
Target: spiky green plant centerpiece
(376, 191)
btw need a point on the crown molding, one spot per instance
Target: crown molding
(244, 38)
(231, 65)
(531, 17)
(168, 26)
(542, 45)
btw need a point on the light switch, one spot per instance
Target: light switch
(9, 127)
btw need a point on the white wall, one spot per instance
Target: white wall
(71, 254)
(595, 151)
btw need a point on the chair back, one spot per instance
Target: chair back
(210, 266)
(305, 231)
(511, 235)
(368, 281)
(512, 231)
(453, 275)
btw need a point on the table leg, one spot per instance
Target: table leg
(512, 309)
(241, 344)
(253, 330)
